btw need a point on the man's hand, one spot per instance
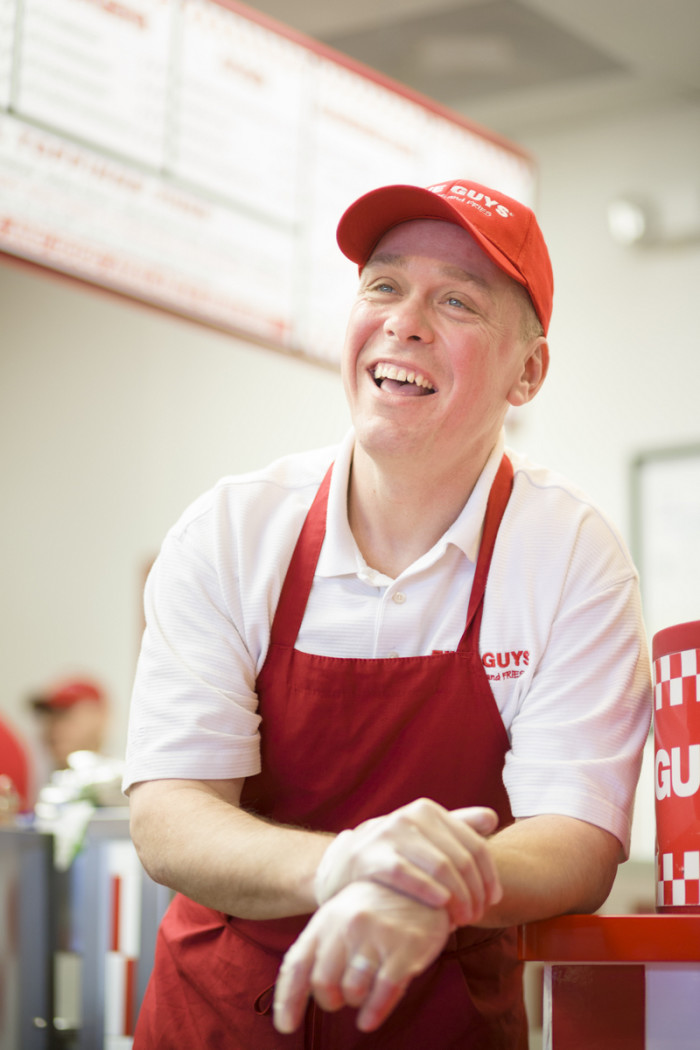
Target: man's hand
(362, 948)
(435, 856)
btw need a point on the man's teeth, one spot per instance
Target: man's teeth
(401, 375)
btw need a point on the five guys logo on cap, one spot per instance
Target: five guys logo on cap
(444, 189)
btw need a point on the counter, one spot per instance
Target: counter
(628, 982)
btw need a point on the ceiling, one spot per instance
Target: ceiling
(517, 66)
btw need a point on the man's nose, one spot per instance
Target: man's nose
(408, 319)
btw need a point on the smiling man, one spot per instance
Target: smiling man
(392, 697)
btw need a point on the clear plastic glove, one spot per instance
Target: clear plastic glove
(438, 857)
(362, 948)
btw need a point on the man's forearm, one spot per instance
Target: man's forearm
(193, 837)
(550, 865)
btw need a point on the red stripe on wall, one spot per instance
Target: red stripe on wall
(116, 909)
(130, 996)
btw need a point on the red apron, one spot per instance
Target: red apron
(344, 740)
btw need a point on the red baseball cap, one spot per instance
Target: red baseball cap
(66, 694)
(506, 229)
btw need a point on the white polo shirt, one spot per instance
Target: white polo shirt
(562, 638)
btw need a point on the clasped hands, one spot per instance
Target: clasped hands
(389, 892)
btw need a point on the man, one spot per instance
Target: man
(351, 674)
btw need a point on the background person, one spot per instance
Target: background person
(345, 649)
(73, 715)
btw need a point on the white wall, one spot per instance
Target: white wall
(113, 417)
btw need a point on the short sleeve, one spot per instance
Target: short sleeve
(193, 711)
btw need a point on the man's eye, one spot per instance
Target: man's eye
(453, 301)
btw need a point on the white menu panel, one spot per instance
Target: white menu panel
(238, 111)
(191, 154)
(97, 71)
(8, 14)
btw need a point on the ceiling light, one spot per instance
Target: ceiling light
(628, 221)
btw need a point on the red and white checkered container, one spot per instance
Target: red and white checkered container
(676, 676)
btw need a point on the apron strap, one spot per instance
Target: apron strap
(294, 597)
(495, 509)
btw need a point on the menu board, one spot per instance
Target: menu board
(194, 155)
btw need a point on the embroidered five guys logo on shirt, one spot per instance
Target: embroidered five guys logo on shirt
(510, 664)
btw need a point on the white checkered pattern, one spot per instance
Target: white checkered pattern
(677, 679)
(677, 682)
(678, 879)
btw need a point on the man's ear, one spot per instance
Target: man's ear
(535, 365)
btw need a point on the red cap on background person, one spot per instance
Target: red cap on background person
(506, 229)
(65, 694)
